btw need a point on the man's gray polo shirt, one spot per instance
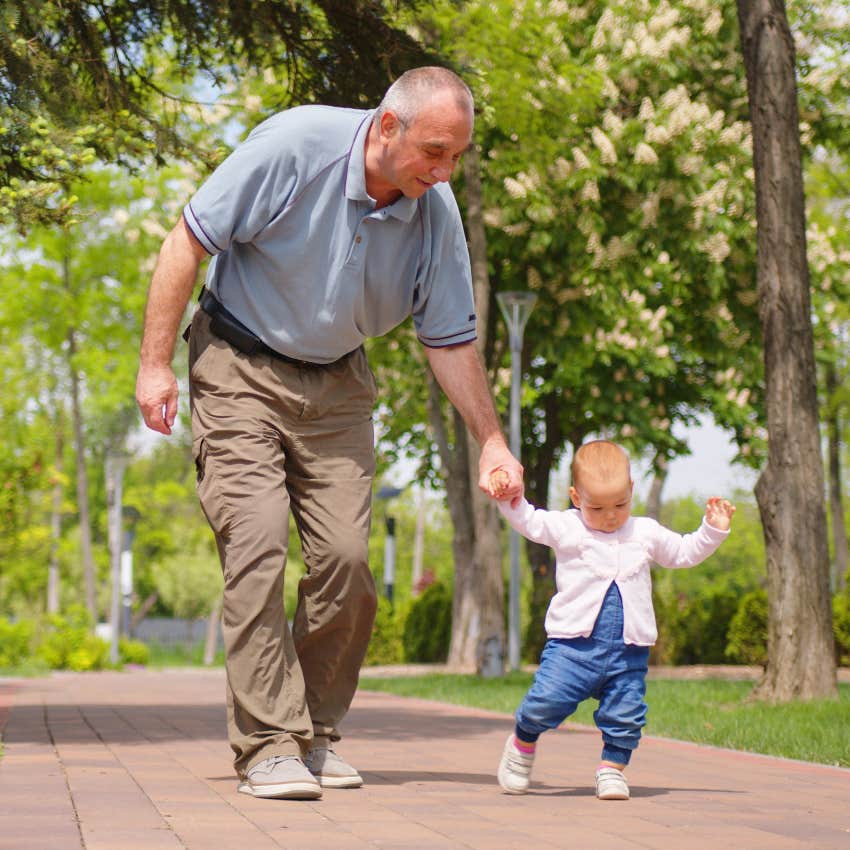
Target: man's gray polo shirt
(303, 258)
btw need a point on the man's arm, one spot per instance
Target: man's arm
(459, 372)
(171, 287)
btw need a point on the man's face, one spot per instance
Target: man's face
(426, 151)
(605, 505)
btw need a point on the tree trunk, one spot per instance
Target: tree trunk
(55, 521)
(213, 624)
(836, 500)
(541, 561)
(659, 478)
(478, 629)
(142, 611)
(418, 543)
(82, 482)
(790, 490)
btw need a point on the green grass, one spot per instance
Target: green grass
(708, 711)
(180, 656)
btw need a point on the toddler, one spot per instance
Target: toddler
(600, 622)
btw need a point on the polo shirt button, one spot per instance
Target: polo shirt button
(358, 240)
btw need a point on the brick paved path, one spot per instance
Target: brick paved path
(119, 761)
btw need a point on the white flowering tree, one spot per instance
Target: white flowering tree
(615, 158)
(614, 172)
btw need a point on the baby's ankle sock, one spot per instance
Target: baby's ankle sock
(524, 746)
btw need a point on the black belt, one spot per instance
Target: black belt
(227, 327)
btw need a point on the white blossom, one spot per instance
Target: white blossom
(711, 25)
(657, 134)
(514, 188)
(603, 143)
(561, 169)
(647, 110)
(612, 123)
(590, 191)
(580, 159)
(716, 246)
(645, 155)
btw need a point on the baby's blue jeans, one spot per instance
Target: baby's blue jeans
(600, 666)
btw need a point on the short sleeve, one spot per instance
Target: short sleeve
(444, 306)
(246, 191)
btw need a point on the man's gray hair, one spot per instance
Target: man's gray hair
(414, 88)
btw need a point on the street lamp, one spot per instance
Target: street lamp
(516, 307)
(131, 516)
(389, 542)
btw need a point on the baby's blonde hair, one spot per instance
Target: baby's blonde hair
(599, 459)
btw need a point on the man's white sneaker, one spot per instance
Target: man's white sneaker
(515, 768)
(281, 777)
(331, 770)
(611, 784)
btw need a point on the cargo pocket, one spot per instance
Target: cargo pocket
(199, 455)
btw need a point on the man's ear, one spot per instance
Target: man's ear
(389, 125)
(575, 498)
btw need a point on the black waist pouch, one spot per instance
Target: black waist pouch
(227, 327)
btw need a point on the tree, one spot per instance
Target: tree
(83, 80)
(801, 660)
(627, 219)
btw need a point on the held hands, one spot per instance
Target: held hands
(499, 483)
(718, 513)
(500, 473)
(156, 395)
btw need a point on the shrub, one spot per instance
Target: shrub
(133, 651)
(694, 631)
(15, 641)
(385, 646)
(747, 639)
(69, 644)
(841, 625)
(428, 626)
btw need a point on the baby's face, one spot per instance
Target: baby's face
(604, 504)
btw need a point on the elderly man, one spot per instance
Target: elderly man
(325, 226)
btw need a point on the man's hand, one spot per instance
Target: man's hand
(500, 473)
(718, 513)
(156, 395)
(170, 289)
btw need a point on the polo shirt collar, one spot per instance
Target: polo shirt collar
(355, 178)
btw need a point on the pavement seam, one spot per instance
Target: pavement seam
(56, 753)
(127, 770)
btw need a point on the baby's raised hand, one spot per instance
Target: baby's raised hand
(718, 513)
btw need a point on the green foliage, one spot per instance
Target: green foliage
(841, 625)
(695, 630)
(386, 645)
(189, 585)
(133, 651)
(116, 81)
(427, 629)
(748, 630)
(15, 642)
(69, 644)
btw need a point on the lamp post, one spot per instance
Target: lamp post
(131, 516)
(116, 461)
(389, 542)
(516, 307)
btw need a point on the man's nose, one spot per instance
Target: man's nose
(442, 173)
